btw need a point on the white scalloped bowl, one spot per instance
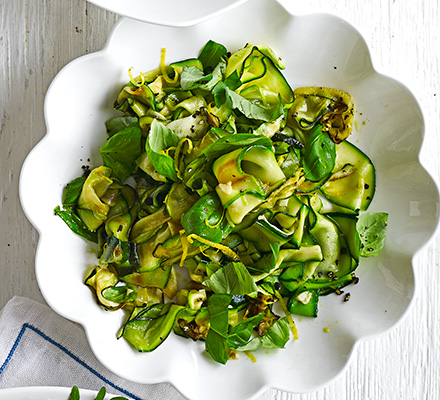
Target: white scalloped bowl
(169, 12)
(317, 49)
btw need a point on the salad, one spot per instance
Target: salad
(226, 203)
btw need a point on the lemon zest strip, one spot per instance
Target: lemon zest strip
(163, 68)
(224, 249)
(184, 247)
(251, 356)
(137, 84)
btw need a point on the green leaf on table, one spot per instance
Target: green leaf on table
(160, 139)
(74, 393)
(319, 155)
(216, 340)
(101, 394)
(233, 278)
(121, 151)
(371, 228)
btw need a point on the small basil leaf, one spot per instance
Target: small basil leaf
(121, 151)
(211, 54)
(319, 155)
(371, 228)
(241, 333)
(233, 278)
(118, 124)
(159, 139)
(277, 335)
(216, 340)
(205, 218)
(73, 191)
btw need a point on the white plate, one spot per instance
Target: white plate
(46, 393)
(317, 49)
(169, 12)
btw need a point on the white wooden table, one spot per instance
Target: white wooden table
(39, 37)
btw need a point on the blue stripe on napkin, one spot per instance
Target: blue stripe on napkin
(26, 326)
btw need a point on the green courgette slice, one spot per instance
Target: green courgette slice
(353, 180)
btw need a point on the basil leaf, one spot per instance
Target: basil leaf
(118, 124)
(319, 155)
(252, 345)
(203, 218)
(121, 151)
(76, 224)
(268, 261)
(233, 81)
(211, 54)
(159, 139)
(224, 95)
(231, 142)
(241, 333)
(233, 278)
(73, 191)
(194, 78)
(216, 340)
(371, 228)
(277, 335)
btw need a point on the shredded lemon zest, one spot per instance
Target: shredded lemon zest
(224, 249)
(218, 223)
(288, 315)
(165, 152)
(184, 247)
(202, 250)
(163, 68)
(281, 160)
(251, 356)
(137, 84)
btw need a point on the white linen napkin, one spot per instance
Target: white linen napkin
(40, 348)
